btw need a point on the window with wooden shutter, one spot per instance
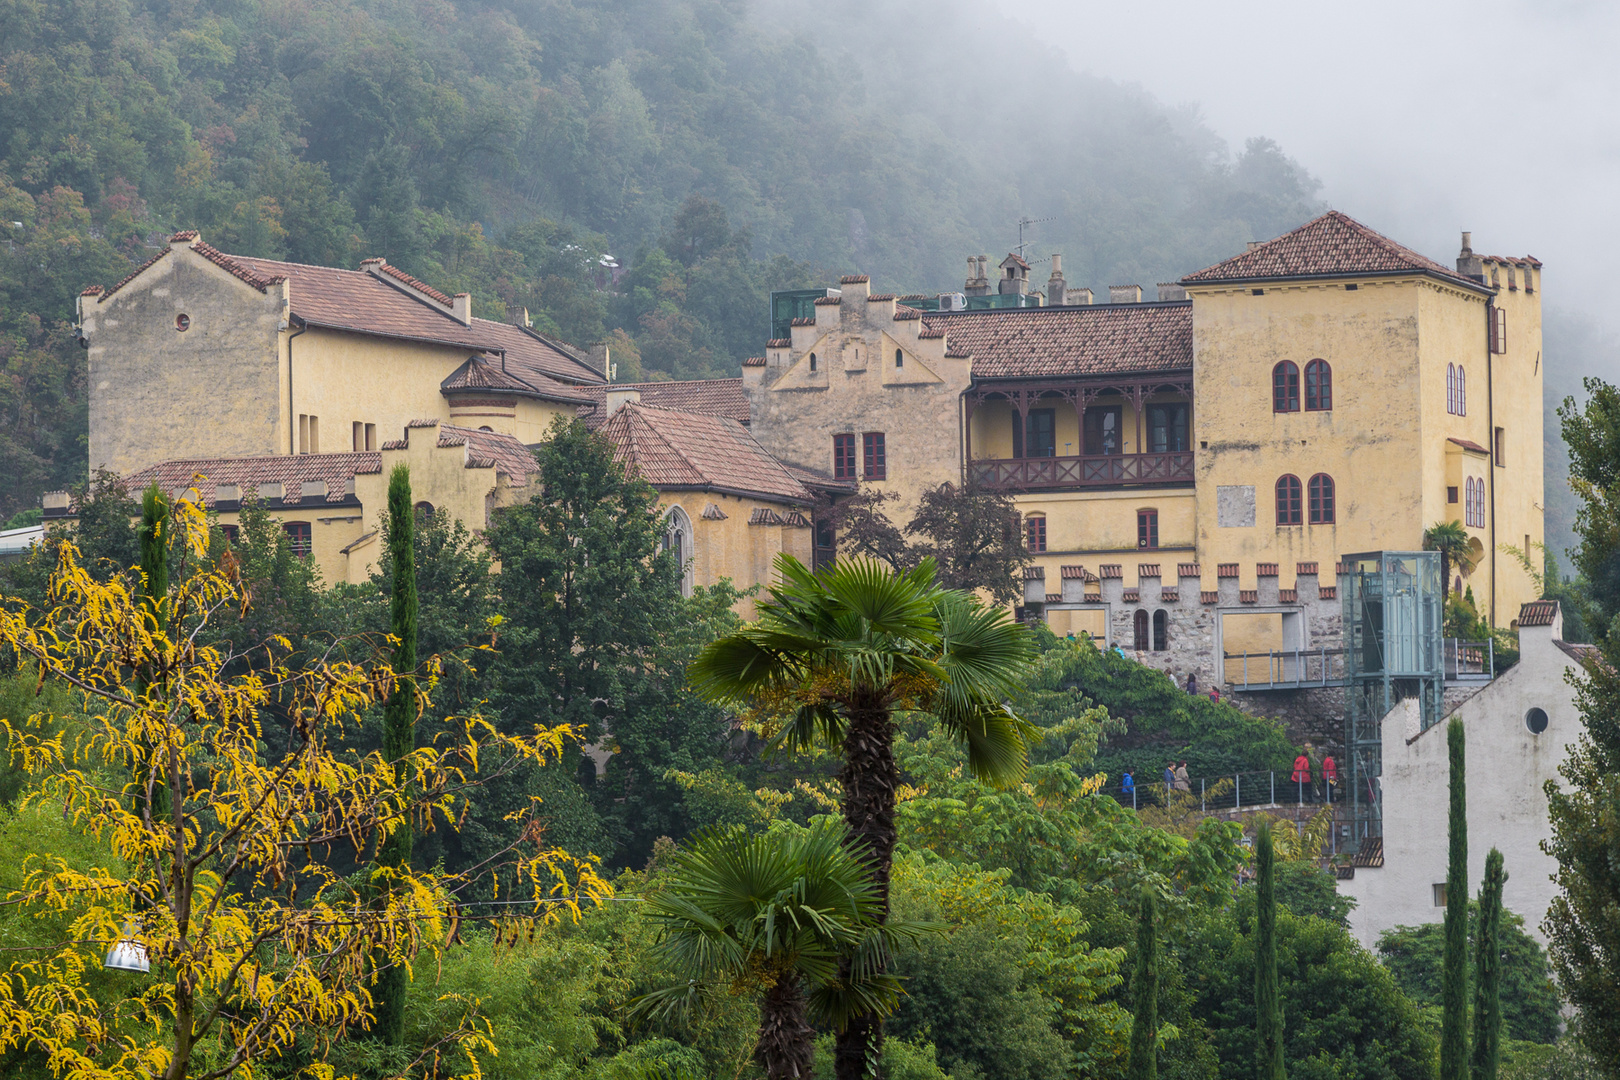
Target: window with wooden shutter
(844, 457)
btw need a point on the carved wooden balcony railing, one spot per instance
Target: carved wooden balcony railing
(1098, 471)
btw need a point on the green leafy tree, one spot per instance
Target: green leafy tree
(971, 532)
(837, 653)
(1530, 1002)
(1143, 1063)
(774, 914)
(1454, 982)
(1268, 1010)
(1488, 975)
(1584, 937)
(1592, 433)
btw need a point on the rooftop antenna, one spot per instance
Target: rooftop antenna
(1024, 222)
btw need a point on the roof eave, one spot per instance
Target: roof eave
(723, 489)
(1358, 275)
(484, 391)
(1133, 374)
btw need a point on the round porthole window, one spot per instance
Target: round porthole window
(182, 321)
(1536, 721)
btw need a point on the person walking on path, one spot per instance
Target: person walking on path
(1215, 694)
(1183, 782)
(1169, 779)
(1127, 787)
(1302, 777)
(1192, 683)
(1330, 773)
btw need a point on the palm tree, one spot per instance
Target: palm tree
(839, 652)
(1450, 539)
(778, 912)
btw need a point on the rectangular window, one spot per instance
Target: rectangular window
(371, 436)
(303, 433)
(875, 463)
(298, 537)
(1167, 428)
(1147, 528)
(826, 543)
(1439, 889)
(1451, 494)
(232, 532)
(1102, 431)
(844, 457)
(314, 434)
(1040, 434)
(1501, 447)
(1035, 532)
(1498, 331)
(359, 436)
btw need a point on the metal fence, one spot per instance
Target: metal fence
(1234, 792)
(1465, 661)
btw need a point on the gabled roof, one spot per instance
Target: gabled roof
(485, 374)
(1104, 339)
(678, 450)
(291, 471)
(1333, 245)
(389, 303)
(712, 397)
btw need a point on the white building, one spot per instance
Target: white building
(1519, 731)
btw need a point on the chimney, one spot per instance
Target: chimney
(977, 283)
(461, 308)
(1056, 287)
(618, 397)
(1170, 290)
(602, 359)
(1468, 264)
(519, 316)
(1124, 294)
(1252, 245)
(1077, 296)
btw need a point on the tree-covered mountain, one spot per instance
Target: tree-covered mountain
(715, 148)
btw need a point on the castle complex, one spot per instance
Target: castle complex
(1187, 470)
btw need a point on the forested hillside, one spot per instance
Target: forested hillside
(715, 149)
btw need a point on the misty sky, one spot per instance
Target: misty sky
(1422, 118)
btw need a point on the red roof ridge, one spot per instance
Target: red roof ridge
(754, 361)
(803, 322)
(853, 279)
(903, 313)
(225, 262)
(827, 301)
(420, 286)
(877, 297)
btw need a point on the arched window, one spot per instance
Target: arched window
(899, 358)
(1451, 389)
(812, 361)
(1462, 391)
(1285, 387)
(423, 509)
(1141, 627)
(1320, 491)
(677, 540)
(1288, 500)
(1318, 386)
(1161, 630)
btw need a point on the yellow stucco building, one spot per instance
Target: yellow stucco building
(301, 386)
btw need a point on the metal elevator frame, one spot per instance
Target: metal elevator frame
(1394, 622)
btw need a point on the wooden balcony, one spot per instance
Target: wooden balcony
(1080, 472)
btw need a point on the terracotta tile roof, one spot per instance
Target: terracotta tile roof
(853, 279)
(876, 298)
(1333, 245)
(1034, 573)
(754, 361)
(712, 397)
(506, 453)
(256, 278)
(1170, 594)
(132, 275)
(420, 286)
(1467, 445)
(819, 481)
(1584, 654)
(1516, 260)
(184, 235)
(764, 516)
(779, 343)
(1538, 613)
(827, 301)
(1015, 259)
(1054, 598)
(712, 512)
(483, 373)
(530, 355)
(291, 471)
(1073, 573)
(802, 322)
(1102, 339)
(675, 449)
(906, 314)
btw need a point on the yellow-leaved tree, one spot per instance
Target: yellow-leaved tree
(226, 849)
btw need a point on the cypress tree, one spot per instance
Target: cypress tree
(1454, 970)
(1268, 1016)
(1488, 972)
(1143, 1062)
(399, 721)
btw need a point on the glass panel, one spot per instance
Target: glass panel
(1167, 428)
(1040, 438)
(1102, 430)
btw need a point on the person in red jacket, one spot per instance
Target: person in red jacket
(1302, 777)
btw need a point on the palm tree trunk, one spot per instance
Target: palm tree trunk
(869, 776)
(786, 1046)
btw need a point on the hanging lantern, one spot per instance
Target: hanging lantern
(127, 954)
